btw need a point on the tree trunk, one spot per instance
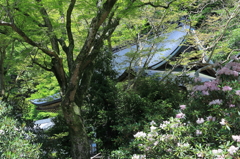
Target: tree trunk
(80, 147)
(2, 83)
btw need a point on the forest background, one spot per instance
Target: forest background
(50, 46)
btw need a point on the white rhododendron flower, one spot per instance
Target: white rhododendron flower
(140, 134)
(232, 149)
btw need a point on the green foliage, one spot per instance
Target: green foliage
(16, 143)
(116, 114)
(45, 85)
(215, 24)
(150, 100)
(234, 38)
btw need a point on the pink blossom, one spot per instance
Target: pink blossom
(210, 85)
(231, 68)
(180, 115)
(235, 73)
(231, 105)
(235, 66)
(226, 88)
(238, 92)
(217, 101)
(205, 93)
(236, 138)
(200, 121)
(182, 107)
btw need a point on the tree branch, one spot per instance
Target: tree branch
(107, 32)
(27, 39)
(156, 6)
(95, 24)
(63, 44)
(40, 65)
(69, 33)
(51, 35)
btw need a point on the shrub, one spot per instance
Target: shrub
(206, 127)
(15, 142)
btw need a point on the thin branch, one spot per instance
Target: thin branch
(85, 19)
(40, 65)
(35, 62)
(157, 6)
(228, 57)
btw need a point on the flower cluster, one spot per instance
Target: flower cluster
(198, 132)
(210, 118)
(236, 138)
(232, 149)
(182, 107)
(217, 101)
(180, 115)
(223, 122)
(140, 135)
(231, 68)
(200, 121)
(164, 124)
(238, 92)
(227, 88)
(207, 86)
(135, 156)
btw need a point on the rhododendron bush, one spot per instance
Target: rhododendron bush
(206, 126)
